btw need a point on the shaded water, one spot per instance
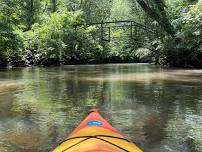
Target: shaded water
(158, 109)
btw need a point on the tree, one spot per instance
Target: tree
(10, 41)
(54, 5)
(156, 10)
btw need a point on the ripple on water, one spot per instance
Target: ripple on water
(21, 135)
(157, 108)
(170, 76)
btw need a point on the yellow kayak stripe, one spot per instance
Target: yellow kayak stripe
(82, 142)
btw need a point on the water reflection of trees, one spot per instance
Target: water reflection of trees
(148, 110)
(55, 100)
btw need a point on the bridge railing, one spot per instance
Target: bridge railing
(117, 24)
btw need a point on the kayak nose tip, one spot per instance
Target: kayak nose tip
(94, 109)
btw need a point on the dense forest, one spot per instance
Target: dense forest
(45, 32)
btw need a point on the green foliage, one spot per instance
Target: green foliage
(187, 51)
(57, 41)
(143, 54)
(10, 42)
(120, 10)
(44, 32)
(93, 10)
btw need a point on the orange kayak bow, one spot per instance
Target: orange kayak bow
(95, 134)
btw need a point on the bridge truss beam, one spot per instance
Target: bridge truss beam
(116, 24)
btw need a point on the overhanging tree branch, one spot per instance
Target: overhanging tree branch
(160, 16)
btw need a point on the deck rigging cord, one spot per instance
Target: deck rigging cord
(99, 137)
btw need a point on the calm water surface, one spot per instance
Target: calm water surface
(158, 109)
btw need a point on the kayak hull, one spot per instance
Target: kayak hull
(95, 134)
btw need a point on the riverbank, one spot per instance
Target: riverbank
(57, 64)
(114, 60)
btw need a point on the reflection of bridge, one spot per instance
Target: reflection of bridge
(106, 27)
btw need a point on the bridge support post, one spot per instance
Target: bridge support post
(131, 30)
(102, 37)
(109, 34)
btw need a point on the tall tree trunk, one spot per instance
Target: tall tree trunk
(31, 14)
(54, 5)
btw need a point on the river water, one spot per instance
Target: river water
(158, 109)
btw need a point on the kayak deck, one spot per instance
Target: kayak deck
(95, 134)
